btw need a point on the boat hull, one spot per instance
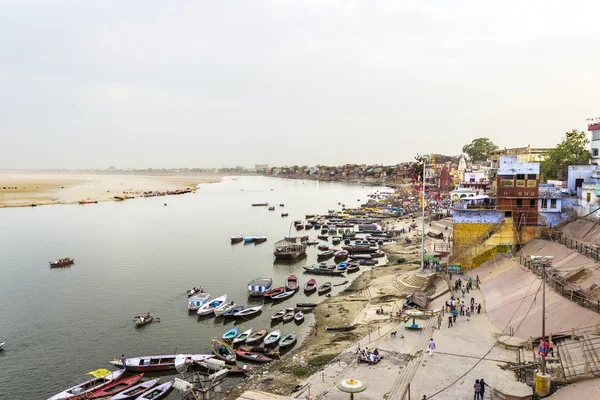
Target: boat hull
(156, 363)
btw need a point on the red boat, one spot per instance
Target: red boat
(62, 262)
(323, 247)
(341, 255)
(274, 292)
(291, 283)
(116, 387)
(310, 286)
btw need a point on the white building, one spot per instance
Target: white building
(595, 142)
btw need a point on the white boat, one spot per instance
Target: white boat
(98, 382)
(248, 311)
(157, 363)
(242, 337)
(135, 391)
(209, 306)
(223, 308)
(2, 345)
(157, 392)
(197, 301)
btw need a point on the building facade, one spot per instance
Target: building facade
(595, 143)
(517, 190)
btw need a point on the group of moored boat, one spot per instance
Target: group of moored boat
(248, 239)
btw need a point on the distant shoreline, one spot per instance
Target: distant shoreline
(27, 189)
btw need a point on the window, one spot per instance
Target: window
(595, 135)
(520, 176)
(552, 203)
(531, 203)
(595, 152)
(519, 203)
(532, 176)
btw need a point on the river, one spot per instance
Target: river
(140, 256)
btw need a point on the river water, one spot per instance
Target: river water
(140, 256)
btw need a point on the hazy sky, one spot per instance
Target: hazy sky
(92, 83)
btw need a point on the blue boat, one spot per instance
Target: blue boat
(230, 334)
(342, 266)
(229, 313)
(259, 286)
(248, 239)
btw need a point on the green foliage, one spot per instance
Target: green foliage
(479, 149)
(573, 150)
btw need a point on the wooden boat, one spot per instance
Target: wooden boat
(194, 291)
(323, 247)
(299, 227)
(205, 367)
(248, 312)
(299, 316)
(325, 254)
(230, 334)
(88, 201)
(156, 363)
(222, 351)
(353, 268)
(297, 222)
(198, 300)
(248, 239)
(291, 284)
(342, 266)
(274, 292)
(257, 337)
(143, 320)
(222, 309)
(259, 286)
(209, 306)
(323, 237)
(289, 316)
(262, 350)
(341, 255)
(321, 271)
(310, 286)
(231, 313)
(289, 249)
(135, 391)
(116, 387)
(101, 378)
(281, 205)
(158, 392)
(336, 241)
(324, 288)
(308, 226)
(306, 305)
(2, 345)
(278, 315)
(360, 256)
(255, 357)
(260, 204)
(284, 214)
(242, 337)
(237, 239)
(62, 262)
(260, 239)
(272, 208)
(311, 242)
(282, 296)
(273, 337)
(288, 340)
(340, 284)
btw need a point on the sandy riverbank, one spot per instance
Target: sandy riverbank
(21, 189)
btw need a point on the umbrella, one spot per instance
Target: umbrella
(414, 314)
(351, 386)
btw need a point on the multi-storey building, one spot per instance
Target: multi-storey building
(517, 190)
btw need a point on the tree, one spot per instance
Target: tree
(573, 150)
(479, 149)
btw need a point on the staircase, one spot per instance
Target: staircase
(411, 283)
(407, 374)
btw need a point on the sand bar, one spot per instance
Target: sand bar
(21, 189)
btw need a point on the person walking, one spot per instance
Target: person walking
(479, 308)
(454, 315)
(431, 347)
(472, 308)
(483, 385)
(449, 321)
(477, 390)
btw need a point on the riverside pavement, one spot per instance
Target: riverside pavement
(406, 360)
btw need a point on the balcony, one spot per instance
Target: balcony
(520, 183)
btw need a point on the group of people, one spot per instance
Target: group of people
(465, 286)
(365, 355)
(478, 390)
(458, 308)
